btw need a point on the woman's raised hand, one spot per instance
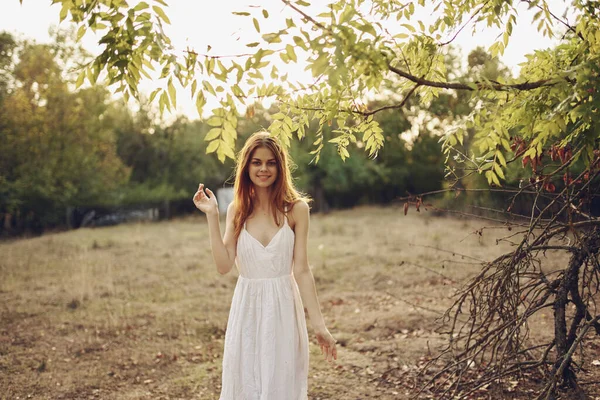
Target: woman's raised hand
(206, 203)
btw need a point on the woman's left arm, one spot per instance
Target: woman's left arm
(306, 281)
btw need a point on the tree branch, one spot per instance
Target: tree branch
(466, 23)
(363, 113)
(395, 106)
(194, 53)
(475, 85)
(306, 16)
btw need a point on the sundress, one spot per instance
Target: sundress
(266, 342)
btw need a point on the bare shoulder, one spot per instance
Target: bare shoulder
(300, 212)
(300, 207)
(231, 207)
(231, 210)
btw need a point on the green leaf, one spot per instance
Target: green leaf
(215, 121)
(495, 179)
(80, 79)
(213, 134)
(291, 53)
(501, 159)
(81, 32)
(343, 153)
(272, 38)
(141, 6)
(161, 14)
(213, 146)
(300, 42)
(194, 87)
(163, 102)
(172, 93)
(265, 13)
(200, 103)
(153, 95)
(499, 171)
(256, 25)
(228, 150)
(320, 65)
(367, 28)
(64, 12)
(346, 15)
(206, 85)
(410, 27)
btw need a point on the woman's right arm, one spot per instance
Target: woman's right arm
(223, 250)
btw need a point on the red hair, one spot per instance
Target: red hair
(283, 192)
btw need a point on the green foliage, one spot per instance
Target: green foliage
(55, 150)
(526, 125)
(7, 47)
(354, 51)
(166, 162)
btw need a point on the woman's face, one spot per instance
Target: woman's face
(263, 167)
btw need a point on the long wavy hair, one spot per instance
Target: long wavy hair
(283, 192)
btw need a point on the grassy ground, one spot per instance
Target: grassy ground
(138, 311)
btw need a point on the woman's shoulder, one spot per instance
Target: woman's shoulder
(298, 211)
(300, 204)
(231, 208)
(299, 207)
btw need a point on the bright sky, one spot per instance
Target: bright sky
(198, 23)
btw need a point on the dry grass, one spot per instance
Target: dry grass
(138, 311)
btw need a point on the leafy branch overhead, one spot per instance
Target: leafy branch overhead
(357, 51)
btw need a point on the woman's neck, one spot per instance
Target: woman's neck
(261, 201)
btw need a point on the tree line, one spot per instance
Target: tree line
(64, 148)
(68, 150)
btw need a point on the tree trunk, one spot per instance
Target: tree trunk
(69, 216)
(167, 209)
(570, 284)
(7, 223)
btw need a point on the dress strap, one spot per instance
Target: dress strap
(285, 220)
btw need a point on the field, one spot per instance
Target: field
(138, 311)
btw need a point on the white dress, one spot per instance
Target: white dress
(266, 341)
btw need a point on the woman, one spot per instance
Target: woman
(266, 342)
